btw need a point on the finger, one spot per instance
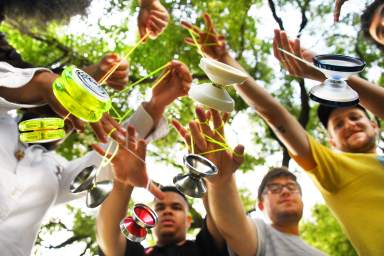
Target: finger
(179, 128)
(238, 154)
(116, 85)
(131, 138)
(204, 122)
(189, 26)
(218, 123)
(209, 23)
(198, 138)
(160, 15)
(161, 23)
(99, 149)
(189, 41)
(156, 191)
(99, 132)
(153, 27)
(275, 46)
(290, 63)
(119, 74)
(142, 149)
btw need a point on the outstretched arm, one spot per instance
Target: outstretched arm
(225, 206)
(129, 171)
(286, 127)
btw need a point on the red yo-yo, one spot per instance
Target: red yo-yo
(135, 227)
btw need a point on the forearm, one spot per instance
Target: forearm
(230, 218)
(371, 95)
(112, 211)
(285, 125)
(33, 91)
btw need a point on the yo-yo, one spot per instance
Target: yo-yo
(214, 94)
(97, 191)
(41, 130)
(135, 227)
(334, 91)
(192, 183)
(81, 95)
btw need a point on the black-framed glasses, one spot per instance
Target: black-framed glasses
(276, 188)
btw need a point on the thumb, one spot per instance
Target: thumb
(238, 154)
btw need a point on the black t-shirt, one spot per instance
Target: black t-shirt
(204, 245)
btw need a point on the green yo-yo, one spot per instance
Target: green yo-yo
(81, 95)
(78, 110)
(46, 123)
(42, 136)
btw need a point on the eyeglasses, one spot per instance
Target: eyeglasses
(276, 188)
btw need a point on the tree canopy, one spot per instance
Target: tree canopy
(247, 26)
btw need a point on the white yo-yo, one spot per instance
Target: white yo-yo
(214, 94)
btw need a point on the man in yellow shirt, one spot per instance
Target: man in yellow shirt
(351, 179)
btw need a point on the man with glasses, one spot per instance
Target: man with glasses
(279, 197)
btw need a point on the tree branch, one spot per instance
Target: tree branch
(272, 7)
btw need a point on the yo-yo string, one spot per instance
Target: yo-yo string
(143, 78)
(114, 67)
(118, 116)
(300, 59)
(106, 161)
(199, 50)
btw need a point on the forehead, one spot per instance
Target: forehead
(341, 112)
(170, 198)
(281, 180)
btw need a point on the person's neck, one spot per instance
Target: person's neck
(165, 242)
(287, 228)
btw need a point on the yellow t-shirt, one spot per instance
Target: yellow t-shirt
(352, 185)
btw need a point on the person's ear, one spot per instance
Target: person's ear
(260, 204)
(331, 141)
(189, 221)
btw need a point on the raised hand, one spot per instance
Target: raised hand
(153, 18)
(175, 84)
(118, 79)
(205, 140)
(129, 166)
(212, 43)
(294, 67)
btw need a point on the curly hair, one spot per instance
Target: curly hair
(42, 11)
(366, 20)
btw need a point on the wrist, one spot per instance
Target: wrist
(155, 108)
(122, 186)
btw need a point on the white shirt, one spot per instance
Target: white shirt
(41, 179)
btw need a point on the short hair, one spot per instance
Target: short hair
(324, 112)
(274, 173)
(175, 190)
(366, 20)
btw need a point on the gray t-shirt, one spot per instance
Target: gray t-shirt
(275, 243)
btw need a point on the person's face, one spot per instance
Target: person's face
(282, 201)
(350, 130)
(376, 28)
(173, 221)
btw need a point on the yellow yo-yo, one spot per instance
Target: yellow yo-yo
(81, 95)
(42, 136)
(42, 130)
(46, 123)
